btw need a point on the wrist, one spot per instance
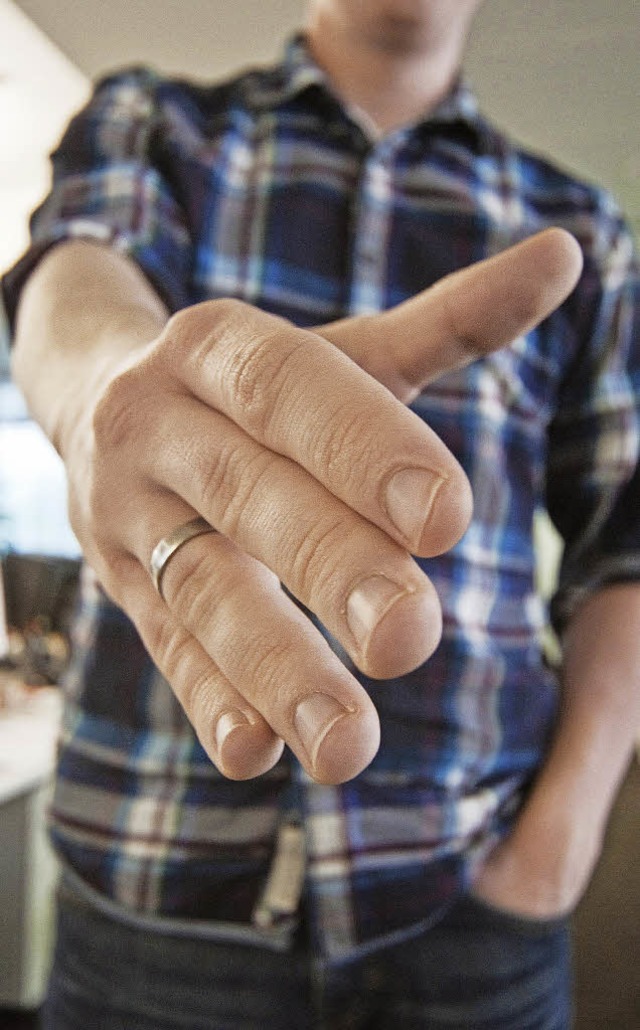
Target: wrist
(125, 333)
(82, 313)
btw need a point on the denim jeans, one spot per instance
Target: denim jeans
(478, 968)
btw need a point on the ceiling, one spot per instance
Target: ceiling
(561, 74)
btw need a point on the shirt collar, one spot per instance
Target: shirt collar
(298, 72)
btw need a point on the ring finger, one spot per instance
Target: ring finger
(362, 585)
(267, 659)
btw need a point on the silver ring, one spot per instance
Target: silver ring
(167, 547)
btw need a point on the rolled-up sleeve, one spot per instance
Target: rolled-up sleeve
(110, 186)
(593, 471)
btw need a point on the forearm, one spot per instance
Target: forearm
(600, 714)
(83, 310)
(542, 869)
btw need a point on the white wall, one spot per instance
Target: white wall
(39, 88)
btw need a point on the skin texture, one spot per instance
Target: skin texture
(230, 413)
(258, 429)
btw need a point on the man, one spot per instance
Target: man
(420, 878)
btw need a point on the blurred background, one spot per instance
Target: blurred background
(560, 75)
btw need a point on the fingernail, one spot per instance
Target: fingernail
(227, 723)
(410, 496)
(314, 718)
(368, 602)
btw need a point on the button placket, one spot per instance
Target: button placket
(372, 217)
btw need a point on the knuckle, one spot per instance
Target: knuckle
(179, 324)
(195, 338)
(121, 565)
(119, 413)
(343, 445)
(247, 378)
(251, 351)
(319, 560)
(115, 570)
(202, 331)
(202, 324)
(267, 666)
(215, 478)
(257, 375)
(248, 353)
(247, 503)
(230, 486)
(169, 644)
(196, 692)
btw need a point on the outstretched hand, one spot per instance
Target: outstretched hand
(297, 447)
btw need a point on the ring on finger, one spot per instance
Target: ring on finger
(168, 545)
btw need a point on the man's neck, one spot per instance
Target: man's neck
(391, 86)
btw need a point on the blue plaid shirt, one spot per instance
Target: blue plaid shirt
(265, 188)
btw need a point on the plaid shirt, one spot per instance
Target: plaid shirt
(265, 188)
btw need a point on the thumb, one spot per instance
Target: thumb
(464, 316)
